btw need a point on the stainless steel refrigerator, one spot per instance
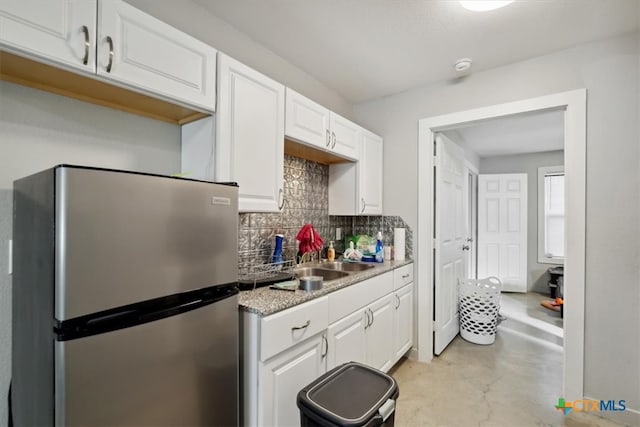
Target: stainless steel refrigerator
(124, 300)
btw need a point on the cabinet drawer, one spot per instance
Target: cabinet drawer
(286, 328)
(348, 300)
(402, 276)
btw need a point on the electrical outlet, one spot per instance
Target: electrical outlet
(338, 233)
(10, 252)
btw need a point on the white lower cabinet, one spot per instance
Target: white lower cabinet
(371, 323)
(403, 321)
(284, 375)
(380, 334)
(346, 340)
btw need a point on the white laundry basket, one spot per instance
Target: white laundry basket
(478, 307)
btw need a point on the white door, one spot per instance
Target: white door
(380, 334)
(345, 137)
(403, 321)
(370, 174)
(502, 229)
(470, 216)
(60, 31)
(250, 135)
(450, 240)
(144, 53)
(283, 376)
(346, 340)
(306, 121)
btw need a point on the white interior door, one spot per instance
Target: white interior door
(502, 229)
(450, 239)
(470, 203)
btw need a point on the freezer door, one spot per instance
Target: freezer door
(180, 370)
(122, 238)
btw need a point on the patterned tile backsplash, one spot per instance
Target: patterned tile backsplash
(306, 193)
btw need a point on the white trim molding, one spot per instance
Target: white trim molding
(544, 258)
(573, 103)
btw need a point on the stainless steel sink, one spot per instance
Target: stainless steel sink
(326, 274)
(345, 266)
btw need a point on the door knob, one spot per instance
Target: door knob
(465, 247)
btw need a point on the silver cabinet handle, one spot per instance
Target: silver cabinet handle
(404, 276)
(367, 324)
(398, 300)
(469, 239)
(87, 45)
(465, 247)
(373, 317)
(110, 64)
(333, 135)
(297, 328)
(363, 203)
(328, 138)
(325, 343)
(280, 199)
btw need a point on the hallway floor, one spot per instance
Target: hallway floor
(514, 382)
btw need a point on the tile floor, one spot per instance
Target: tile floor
(514, 382)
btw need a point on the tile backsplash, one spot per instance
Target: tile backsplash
(306, 193)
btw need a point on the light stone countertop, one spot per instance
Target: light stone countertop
(264, 301)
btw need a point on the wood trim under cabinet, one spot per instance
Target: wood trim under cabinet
(296, 149)
(27, 72)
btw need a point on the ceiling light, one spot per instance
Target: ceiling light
(462, 65)
(484, 5)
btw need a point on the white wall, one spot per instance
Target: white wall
(39, 130)
(609, 69)
(202, 24)
(537, 278)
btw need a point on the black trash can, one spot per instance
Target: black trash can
(350, 395)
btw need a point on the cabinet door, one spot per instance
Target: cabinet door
(283, 376)
(345, 137)
(306, 121)
(141, 52)
(370, 174)
(379, 334)
(60, 31)
(346, 340)
(403, 321)
(250, 135)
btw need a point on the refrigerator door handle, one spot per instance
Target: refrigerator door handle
(142, 312)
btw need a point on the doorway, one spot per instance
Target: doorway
(573, 104)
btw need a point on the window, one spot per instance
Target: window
(551, 215)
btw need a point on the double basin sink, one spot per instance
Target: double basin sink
(331, 270)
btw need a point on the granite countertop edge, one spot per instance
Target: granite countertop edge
(264, 301)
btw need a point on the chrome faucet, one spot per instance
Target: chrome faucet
(309, 256)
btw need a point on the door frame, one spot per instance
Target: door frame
(574, 104)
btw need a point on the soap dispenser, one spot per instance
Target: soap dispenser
(331, 252)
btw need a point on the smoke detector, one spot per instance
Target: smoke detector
(463, 65)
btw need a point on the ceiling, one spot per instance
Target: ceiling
(520, 134)
(365, 49)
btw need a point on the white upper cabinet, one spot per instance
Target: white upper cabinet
(370, 174)
(249, 141)
(306, 121)
(312, 124)
(142, 52)
(356, 188)
(345, 136)
(115, 41)
(57, 31)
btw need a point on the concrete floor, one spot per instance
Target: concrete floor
(514, 382)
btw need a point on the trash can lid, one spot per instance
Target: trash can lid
(348, 395)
